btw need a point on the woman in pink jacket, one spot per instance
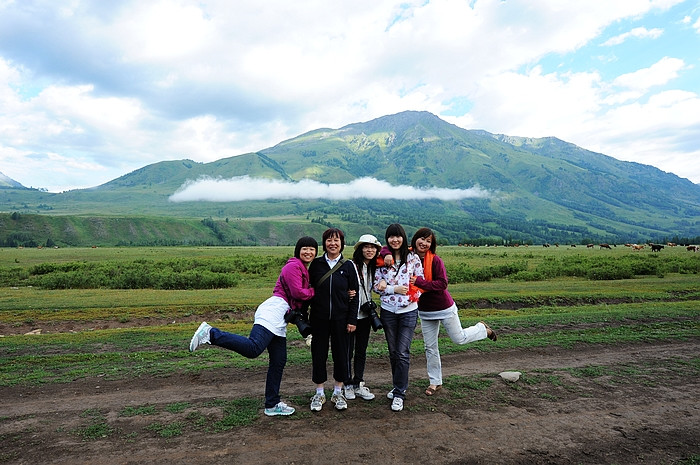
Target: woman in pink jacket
(270, 327)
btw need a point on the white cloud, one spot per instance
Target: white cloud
(125, 84)
(161, 31)
(636, 33)
(247, 188)
(659, 73)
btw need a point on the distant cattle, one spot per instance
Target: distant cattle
(545, 245)
(637, 247)
(604, 246)
(693, 248)
(590, 246)
(656, 247)
(671, 244)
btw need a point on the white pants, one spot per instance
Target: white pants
(458, 335)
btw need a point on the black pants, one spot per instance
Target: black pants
(335, 331)
(357, 348)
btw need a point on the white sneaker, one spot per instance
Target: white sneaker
(390, 394)
(279, 409)
(397, 404)
(201, 336)
(317, 402)
(363, 392)
(349, 392)
(339, 401)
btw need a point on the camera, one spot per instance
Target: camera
(299, 319)
(371, 309)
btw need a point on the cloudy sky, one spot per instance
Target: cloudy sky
(91, 90)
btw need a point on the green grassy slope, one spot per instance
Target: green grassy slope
(542, 190)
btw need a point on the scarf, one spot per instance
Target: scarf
(414, 291)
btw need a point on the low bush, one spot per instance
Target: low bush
(170, 274)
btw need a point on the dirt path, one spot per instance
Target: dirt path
(645, 410)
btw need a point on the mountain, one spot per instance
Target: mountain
(541, 190)
(6, 182)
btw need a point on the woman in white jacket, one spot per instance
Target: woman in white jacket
(399, 310)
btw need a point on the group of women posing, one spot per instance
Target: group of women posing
(411, 282)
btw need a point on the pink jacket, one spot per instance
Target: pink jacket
(293, 284)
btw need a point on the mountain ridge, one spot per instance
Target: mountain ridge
(7, 182)
(544, 189)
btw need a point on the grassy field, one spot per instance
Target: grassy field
(127, 332)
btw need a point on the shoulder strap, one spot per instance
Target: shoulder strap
(331, 271)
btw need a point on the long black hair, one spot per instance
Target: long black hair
(359, 259)
(397, 230)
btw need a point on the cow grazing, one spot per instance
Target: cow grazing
(589, 246)
(692, 248)
(604, 246)
(656, 247)
(637, 247)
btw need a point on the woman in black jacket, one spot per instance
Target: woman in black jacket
(333, 317)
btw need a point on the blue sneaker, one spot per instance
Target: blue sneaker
(279, 409)
(201, 336)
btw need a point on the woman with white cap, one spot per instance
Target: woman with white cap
(365, 260)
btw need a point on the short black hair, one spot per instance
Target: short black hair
(330, 232)
(424, 233)
(306, 241)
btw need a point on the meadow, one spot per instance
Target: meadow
(86, 330)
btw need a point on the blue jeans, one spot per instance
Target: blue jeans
(251, 347)
(399, 329)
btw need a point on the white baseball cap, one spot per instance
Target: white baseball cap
(368, 239)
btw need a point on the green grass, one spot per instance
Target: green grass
(96, 426)
(224, 415)
(693, 460)
(140, 410)
(526, 314)
(162, 351)
(177, 407)
(166, 430)
(236, 413)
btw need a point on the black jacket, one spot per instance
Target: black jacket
(331, 301)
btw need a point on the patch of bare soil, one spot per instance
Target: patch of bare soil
(643, 408)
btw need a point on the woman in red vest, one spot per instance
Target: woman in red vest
(435, 306)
